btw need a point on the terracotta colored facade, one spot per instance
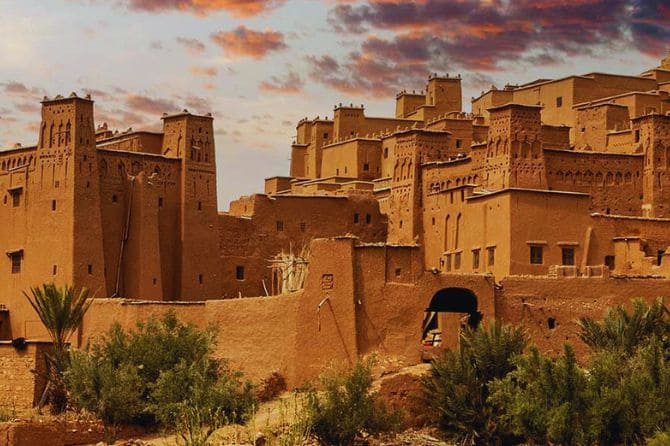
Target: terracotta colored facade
(549, 201)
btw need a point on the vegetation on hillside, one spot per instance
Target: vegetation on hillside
(618, 397)
(162, 373)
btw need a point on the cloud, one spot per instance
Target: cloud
(204, 71)
(366, 74)
(405, 40)
(238, 8)
(245, 42)
(145, 104)
(157, 45)
(289, 83)
(27, 107)
(97, 94)
(15, 88)
(480, 34)
(192, 45)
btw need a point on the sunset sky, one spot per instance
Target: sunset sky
(260, 65)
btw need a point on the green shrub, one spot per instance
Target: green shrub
(162, 372)
(623, 332)
(544, 400)
(112, 393)
(457, 387)
(198, 399)
(629, 396)
(346, 408)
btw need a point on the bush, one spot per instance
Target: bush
(113, 394)
(457, 387)
(622, 332)
(163, 372)
(346, 408)
(544, 400)
(629, 396)
(198, 399)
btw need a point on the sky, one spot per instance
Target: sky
(261, 65)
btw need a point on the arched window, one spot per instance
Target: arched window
(446, 233)
(458, 230)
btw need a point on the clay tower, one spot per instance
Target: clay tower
(191, 138)
(514, 156)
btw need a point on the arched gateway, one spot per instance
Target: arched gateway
(448, 311)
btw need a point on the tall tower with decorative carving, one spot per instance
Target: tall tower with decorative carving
(191, 138)
(514, 156)
(652, 132)
(412, 148)
(64, 196)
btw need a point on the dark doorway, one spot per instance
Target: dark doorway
(449, 310)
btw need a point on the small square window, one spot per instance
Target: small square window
(115, 199)
(475, 259)
(536, 255)
(239, 272)
(356, 218)
(325, 135)
(568, 256)
(559, 101)
(457, 260)
(398, 271)
(459, 143)
(609, 262)
(280, 226)
(491, 254)
(366, 167)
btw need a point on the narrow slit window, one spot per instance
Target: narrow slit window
(16, 259)
(491, 254)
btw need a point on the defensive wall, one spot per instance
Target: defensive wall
(358, 299)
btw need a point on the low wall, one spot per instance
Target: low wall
(22, 374)
(549, 308)
(59, 433)
(358, 299)
(257, 335)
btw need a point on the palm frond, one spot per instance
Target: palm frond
(61, 310)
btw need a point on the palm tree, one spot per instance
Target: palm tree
(623, 331)
(61, 310)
